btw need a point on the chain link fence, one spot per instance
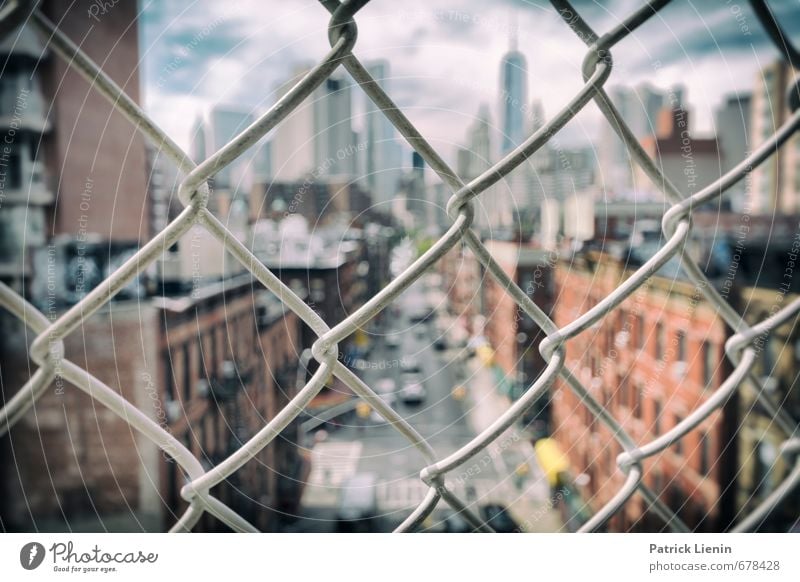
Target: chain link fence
(47, 351)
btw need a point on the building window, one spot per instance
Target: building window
(14, 172)
(709, 364)
(680, 347)
(639, 331)
(212, 356)
(659, 343)
(763, 463)
(169, 379)
(767, 357)
(657, 417)
(658, 483)
(638, 404)
(705, 453)
(679, 444)
(624, 396)
(187, 372)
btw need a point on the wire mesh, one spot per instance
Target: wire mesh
(47, 350)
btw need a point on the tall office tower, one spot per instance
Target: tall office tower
(383, 156)
(733, 134)
(262, 161)
(639, 108)
(537, 175)
(650, 103)
(417, 202)
(475, 158)
(211, 134)
(511, 195)
(513, 97)
(293, 139)
(615, 174)
(198, 150)
(317, 138)
(336, 145)
(225, 123)
(774, 183)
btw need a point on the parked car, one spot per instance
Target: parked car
(410, 366)
(454, 523)
(413, 391)
(389, 398)
(385, 386)
(358, 506)
(421, 315)
(496, 516)
(446, 521)
(393, 341)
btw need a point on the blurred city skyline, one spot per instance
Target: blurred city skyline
(196, 55)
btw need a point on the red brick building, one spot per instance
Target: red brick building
(513, 335)
(211, 369)
(650, 362)
(228, 364)
(461, 276)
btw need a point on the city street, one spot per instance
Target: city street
(448, 418)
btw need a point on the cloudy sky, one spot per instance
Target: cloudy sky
(444, 55)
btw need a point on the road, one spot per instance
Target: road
(372, 446)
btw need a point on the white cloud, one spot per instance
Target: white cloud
(445, 56)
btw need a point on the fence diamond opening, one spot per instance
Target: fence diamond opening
(47, 351)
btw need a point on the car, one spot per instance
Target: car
(385, 386)
(393, 341)
(388, 398)
(410, 366)
(413, 392)
(454, 523)
(419, 316)
(497, 517)
(357, 509)
(446, 521)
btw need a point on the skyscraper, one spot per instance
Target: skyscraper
(317, 138)
(775, 184)
(512, 193)
(227, 123)
(383, 155)
(208, 137)
(475, 158)
(335, 144)
(292, 141)
(733, 133)
(417, 202)
(639, 109)
(513, 97)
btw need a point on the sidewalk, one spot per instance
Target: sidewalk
(529, 504)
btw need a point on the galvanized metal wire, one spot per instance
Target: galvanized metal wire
(47, 350)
